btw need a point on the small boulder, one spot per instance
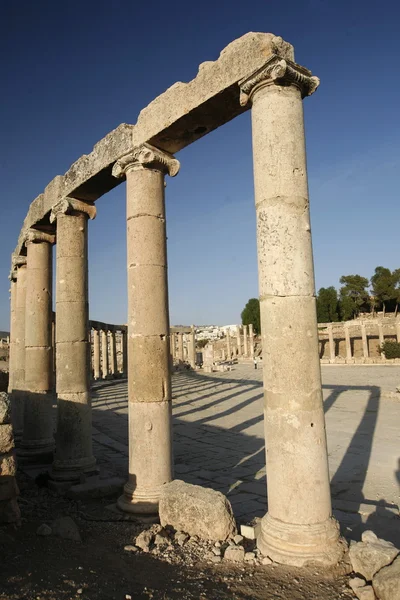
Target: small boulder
(181, 538)
(66, 528)
(196, 510)
(130, 548)
(365, 593)
(144, 540)
(357, 582)
(238, 539)
(387, 582)
(5, 408)
(234, 553)
(44, 530)
(371, 555)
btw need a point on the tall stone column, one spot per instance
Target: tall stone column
(331, 343)
(298, 527)
(104, 354)
(13, 318)
(96, 354)
(348, 342)
(251, 340)
(74, 454)
(113, 354)
(239, 343)
(180, 347)
(38, 440)
(245, 346)
(18, 393)
(149, 376)
(398, 330)
(380, 334)
(192, 347)
(125, 352)
(364, 340)
(228, 344)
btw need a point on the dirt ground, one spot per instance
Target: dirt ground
(33, 567)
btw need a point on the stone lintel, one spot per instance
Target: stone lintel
(184, 113)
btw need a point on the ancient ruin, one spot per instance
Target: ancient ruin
(256, 72)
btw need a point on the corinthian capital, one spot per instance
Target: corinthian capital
(35, 236)
(281, 72)
(148, 157)
(70, 205)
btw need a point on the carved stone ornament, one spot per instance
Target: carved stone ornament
(69, 205)
(146, 156)
(16, 261)
(281, 72)
(35, 236)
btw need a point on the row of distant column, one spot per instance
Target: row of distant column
(105, 352)
(364, 338)
(183, 347)
(247, 348)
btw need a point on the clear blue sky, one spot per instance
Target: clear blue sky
(72, 71)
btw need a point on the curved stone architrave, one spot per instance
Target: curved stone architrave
(182, 114)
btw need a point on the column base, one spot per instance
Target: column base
(299, 545)
(36, 451)
(140, 503)
(72, 470)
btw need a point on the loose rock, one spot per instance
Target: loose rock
(234, 553)
(387, 582)
(238, 539)
(365, 593)
(130, 548)
(371, 555)
(181, 538)
(66, 528)
(44, 529)
(144, 540)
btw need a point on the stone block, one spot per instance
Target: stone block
(386, 583)
(6, 439)
(371, 555)
(196, 511)
(5, 408)
(8, 464)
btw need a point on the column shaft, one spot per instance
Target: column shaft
(113, 353)
(192, 346)
(124, 334)
(37, 440)
(96, 354)
(18, 393)
(398, 330)
(12, 348)
(298, 526)
(251, 340)
(104, 354)
(245, 347)
(348, 342)
(74, 419)
(364, 340)
(331, 343)
(228, 344)
(239, 343)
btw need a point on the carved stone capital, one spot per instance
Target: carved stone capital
(16, 262)
(36, 236)
(70, 205)
(279, 72)
(146, 157)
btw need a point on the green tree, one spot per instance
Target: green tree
(346, 308)
(327, 305)
(251, 314)
(355, 288)
(386, 287)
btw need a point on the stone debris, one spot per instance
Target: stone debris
(9, 509)
(357, 582)
(238, 539)
(65, 527)
(365, 593)
(196, 511)
(181, 538)
(371, 554)
(44, 530)
(144, 540)
(234, 553)
(130, 548)
(386, 583)
(250, 531)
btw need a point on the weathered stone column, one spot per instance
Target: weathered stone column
(298, 527)
(180, 347)
(74, 454)
(104, 354)
(38, 440)
(113, 354)
(125, 352)
(245, 346)
(251, 340)
(192, 347)
(364, 340)
(331, 343)
(348, 342)
(149, 376)
(18, 393)
(13, 320)
(380, 334)
(228, 344)
(96, 354)
(239, 343)
(398, 330)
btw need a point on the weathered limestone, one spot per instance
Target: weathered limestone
(239, 343)
(245, 346)
(113, 354)
(149, 377)
(192, 348)
(180, 347)
(37, 439)
(228, 344)
(18, 362)
(371, 554)
(251, 340)
(348, 342)
(398, 330)
(96, 354)
(104, 354)
(331, 343)
(9, 510)
(364, 340)
(74, 454)
(298, 527)
(13, 328)
(124, 334)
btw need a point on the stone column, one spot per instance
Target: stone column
(380, 334)
(180, 346)
(18, 393)
(125, 353)
(13, 319)
(251, 340)
(298, 527)
(37, 440)
(192, 346)
(364, 340)
(104, 354)
(245, 347)
(228, 344)
(74, 454)
(149, 380)
(348, 342)
(239, 343)
(113, 354)
(331, 343)
(96, 354)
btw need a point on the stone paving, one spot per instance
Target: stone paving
(219, 438)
